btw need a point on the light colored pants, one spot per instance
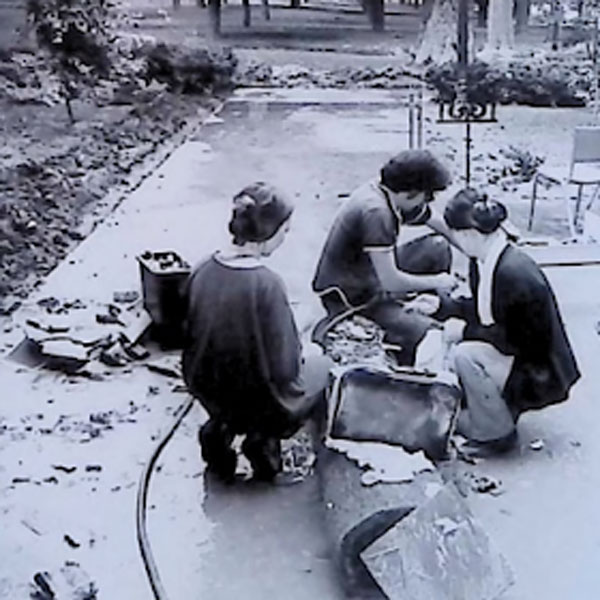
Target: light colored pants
(483, 371)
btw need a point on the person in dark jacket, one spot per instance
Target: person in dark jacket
(242, 355)
(514, 354)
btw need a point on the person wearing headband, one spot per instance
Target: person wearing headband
(512, 353)
(242, 356)
(363, 269)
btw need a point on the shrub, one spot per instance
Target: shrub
(77, 35)
(190, 70)
(533, 83)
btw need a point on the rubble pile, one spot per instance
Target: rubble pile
(83, 338)
(510, 167)
(355, 340)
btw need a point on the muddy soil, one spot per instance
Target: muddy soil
(54, 173)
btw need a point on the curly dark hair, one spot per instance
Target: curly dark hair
(415, 170)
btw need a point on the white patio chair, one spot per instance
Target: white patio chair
(584, 170)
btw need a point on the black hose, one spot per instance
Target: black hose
(142, 497)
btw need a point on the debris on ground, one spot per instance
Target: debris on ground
(169, 366)
(484, 484)
(537, 444)
(71, 581)
(355, 340)
(298, 456)
(382, 463)
(511, 166)
(82, 338)
(127, 297)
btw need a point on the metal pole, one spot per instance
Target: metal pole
(595, 60)
(468, 153)
(463, 62)
(463, 33)
(411, 121)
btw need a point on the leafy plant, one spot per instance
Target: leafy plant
(77, 35)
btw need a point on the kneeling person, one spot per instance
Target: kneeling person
(362, 269)
(514, 354)
(242, 353)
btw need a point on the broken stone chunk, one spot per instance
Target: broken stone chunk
(63, 355)
(114, 356)
(127, 297)
(165, 367)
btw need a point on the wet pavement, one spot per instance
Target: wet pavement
(256, 541)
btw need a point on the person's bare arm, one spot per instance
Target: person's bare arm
(396, 281)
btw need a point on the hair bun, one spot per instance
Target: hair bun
(258, 211)
(488, 214)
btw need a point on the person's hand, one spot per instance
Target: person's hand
(453, 331)
(425, 304)
(444, 282)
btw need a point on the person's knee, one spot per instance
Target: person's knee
(462, 357)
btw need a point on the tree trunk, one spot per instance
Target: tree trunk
(215, 16)
(294, 3)
(176, 4)
(266, 10)
(426, 10)
(376, 12)
(522, 15)
(500, 29)
(439, 38)
(482, 12)
(556, 18)
(247, 15)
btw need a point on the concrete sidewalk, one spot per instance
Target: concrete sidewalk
(258, 542)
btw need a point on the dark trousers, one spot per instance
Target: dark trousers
(404, 330)
(262, 444)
